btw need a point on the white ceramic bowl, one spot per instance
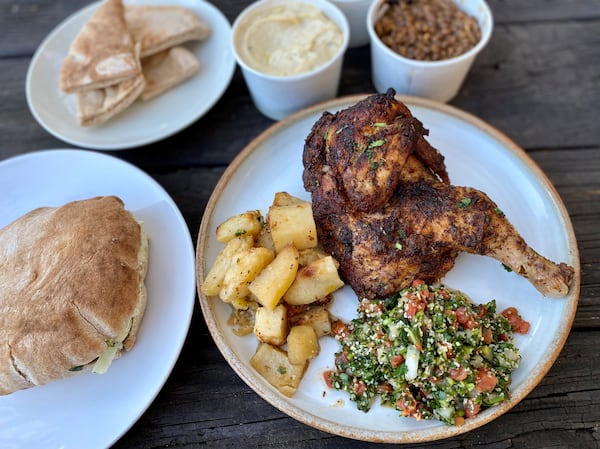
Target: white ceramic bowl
(356, 13)
(279, 96)
(438, 80)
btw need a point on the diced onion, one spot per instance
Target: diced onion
(412, 362)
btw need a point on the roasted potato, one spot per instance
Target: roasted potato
(292, 224)
(273, 364)
(248, 223)
(285, 199)
(274, 280)
(314, 281)
(271, 326)
(302, 344)
(243, 269)
(214, 279)
(315, 316)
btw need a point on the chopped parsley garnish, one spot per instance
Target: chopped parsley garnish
(240, 232)
(429, 352)
(376, 143)
(281, 369)
(464, 203)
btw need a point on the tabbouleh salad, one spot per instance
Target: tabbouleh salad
(429, 352)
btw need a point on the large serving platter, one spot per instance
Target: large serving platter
(476, 155)
(90, 410)
(145, 121)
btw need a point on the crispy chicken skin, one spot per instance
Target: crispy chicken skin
(384, 206)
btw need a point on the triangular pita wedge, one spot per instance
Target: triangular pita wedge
(72, 291)
(167, 69)
(96, 106)
(102, 54)
(158, 27)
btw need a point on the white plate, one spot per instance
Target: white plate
(143, 122)
(477, 155)
(90, 410)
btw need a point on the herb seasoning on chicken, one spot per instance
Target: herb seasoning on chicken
(429, 352)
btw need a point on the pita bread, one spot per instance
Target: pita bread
(158, 27)
(167, 69)
(71, 290)
(102, 54)
(96, 106)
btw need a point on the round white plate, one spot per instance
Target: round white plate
(90, 410)
(477, 155)
(143, 122)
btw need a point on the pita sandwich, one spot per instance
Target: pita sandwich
(158, 27)
(103, 52)
(167, 69)
(72, 291)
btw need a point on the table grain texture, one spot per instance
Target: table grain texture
(537, 81)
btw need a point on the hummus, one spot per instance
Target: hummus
(288, 39)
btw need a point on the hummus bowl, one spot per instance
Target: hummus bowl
(290, 53)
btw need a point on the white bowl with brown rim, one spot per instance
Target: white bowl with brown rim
(438, 79)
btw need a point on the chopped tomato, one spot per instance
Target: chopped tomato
(485, 381)
(396, 360)
(328, 377)
(413, 305)
(487, 335)
(407, 405)
(471, 408)
(339, 329)
(519, 325)
(459, 373)
(359, 386)
(465, 318)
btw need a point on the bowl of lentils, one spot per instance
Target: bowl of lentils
(426, 47)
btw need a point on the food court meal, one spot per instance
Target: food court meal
(126, 53)
(72, 292)
(278, 282)
(427, 30)
(391, 224)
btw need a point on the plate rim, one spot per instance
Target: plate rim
(189, 303)
(170, 131)
(423, 435)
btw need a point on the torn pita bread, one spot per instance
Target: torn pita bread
(96, 106)
(102, 54)
(167, 69)
(72, 292)
(158, 27)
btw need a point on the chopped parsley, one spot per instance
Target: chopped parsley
(464, 202)
(281, 369)
(428, 352)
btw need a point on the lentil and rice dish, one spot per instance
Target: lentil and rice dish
(427, 30)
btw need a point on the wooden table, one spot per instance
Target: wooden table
(538, 81)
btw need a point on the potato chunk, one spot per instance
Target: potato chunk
(314, 281)
(285, 199)
(303, 344)
(248, 223)
(214, 279)
(271, 326)
(292, 224)
(273, 364)
(274, 280)
(315, 316)
(243, 269)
